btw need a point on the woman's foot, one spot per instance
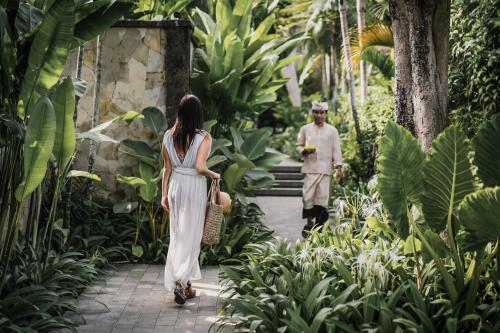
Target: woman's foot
(180, 297)
(189, 291)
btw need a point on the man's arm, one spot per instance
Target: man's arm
(301, 141)
(337, 152)
(337, 156)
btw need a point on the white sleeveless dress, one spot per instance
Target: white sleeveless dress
(187, 201)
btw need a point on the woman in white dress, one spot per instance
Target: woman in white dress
(185, 150)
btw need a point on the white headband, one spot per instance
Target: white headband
(321, 106)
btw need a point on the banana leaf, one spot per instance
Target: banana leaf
(38, 144)
(65, 138)
(48, 54)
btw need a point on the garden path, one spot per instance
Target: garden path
(282, 214)
(132, 299)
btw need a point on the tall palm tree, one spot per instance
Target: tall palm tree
(347, 57)
(363, 81)
(97, 94)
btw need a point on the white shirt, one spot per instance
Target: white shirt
(327, 141)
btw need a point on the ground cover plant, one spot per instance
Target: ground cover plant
(387, 265)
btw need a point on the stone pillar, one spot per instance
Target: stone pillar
(177, 64)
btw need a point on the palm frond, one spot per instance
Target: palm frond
(375, 35)
(382, 61)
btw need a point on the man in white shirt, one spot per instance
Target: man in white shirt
(317, 167)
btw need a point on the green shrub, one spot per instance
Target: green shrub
(35, 297)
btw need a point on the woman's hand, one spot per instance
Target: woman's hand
(164, 202)
(215, 175)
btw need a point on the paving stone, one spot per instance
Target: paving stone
(123, 328)
(133, 299)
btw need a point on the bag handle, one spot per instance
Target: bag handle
(213, 194)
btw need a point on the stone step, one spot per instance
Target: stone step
(288, 176)
(288, 183)
(286, 169)
(280, 192)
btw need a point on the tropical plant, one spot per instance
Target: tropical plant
(34, 297)
(249, 162)
(45, 31)
(235, 68)
(150, 165)
(149, 9)
(434, 193)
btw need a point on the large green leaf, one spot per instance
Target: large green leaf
(237, 138)
(255, 146)
(27, 17)
(268, 160)
(479, 213)
(48, 54)
(96, 137)
(150, 188)
(101, 19)
(155, 120)
(84, 10)
(215, 160)
(64, 107)
(232, 177)
(141, 151)
(243, 162)
(233, 60)
(400, 174)
(447, 177)
(85, 174)
(487, 148)
(38, 145)
(132, 181)
(217, 144)
(262, 29)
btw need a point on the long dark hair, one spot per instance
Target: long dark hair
(189, 121)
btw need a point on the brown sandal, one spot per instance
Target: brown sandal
(180, 297)
(189, 291)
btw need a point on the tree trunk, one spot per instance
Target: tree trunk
(325, 84)
(97, 93)
(363, 80)
(421, 31)
(347, 55)
(292, 86)
(333, 81)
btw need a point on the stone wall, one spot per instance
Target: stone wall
(143, 64)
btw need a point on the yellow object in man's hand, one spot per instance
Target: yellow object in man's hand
(309, 149)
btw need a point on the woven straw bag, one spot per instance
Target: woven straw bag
(213, 217)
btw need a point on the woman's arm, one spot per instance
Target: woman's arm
(166, 177)
(202, 156)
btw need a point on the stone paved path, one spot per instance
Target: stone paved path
(283, 214)
(133, 299)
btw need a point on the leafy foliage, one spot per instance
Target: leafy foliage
(474, 70)
(234, 70)
(448, 185)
